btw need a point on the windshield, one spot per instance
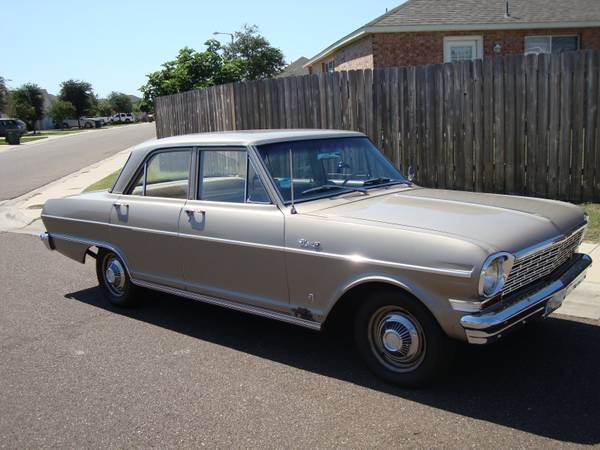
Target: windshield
(327, 167)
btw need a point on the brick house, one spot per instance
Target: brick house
(436, 31)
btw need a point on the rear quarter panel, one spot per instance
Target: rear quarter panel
(79, 217)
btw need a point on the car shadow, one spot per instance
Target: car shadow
(543, 379)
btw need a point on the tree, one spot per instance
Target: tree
(60, 110)
(3, 95)
(258, 60)
(104, 108)
(29, 104)
(248, 57)
(120, 102)
(80, 94)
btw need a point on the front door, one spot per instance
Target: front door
(233, 235)
(144, 221)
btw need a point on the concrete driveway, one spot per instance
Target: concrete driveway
(76, 372)
(26, 167)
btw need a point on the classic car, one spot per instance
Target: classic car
(316, 226)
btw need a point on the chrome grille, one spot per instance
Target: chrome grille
(542, 262)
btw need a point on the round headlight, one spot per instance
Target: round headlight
(493, 274)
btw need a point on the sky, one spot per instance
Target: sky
(114, 44)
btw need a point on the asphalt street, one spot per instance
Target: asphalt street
(30, 166)
(76, 372)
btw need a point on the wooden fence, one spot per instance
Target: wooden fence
(524, 125)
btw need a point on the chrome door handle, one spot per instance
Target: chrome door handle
(121, 205)
(192, 212)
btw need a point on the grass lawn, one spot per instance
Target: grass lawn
(104, 183)
(592, 232)
(156, 176)
(25, 139)
(63, 131)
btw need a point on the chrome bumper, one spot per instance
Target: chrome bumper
(488, 326)
(47, 240)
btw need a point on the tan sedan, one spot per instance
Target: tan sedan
(313, 226)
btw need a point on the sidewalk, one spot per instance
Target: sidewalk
(22, 215)
(584, 301)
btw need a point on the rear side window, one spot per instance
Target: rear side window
(165, 174)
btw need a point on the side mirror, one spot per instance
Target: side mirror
(410, 175)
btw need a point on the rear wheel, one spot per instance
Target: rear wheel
(400, 340)
(114, 279)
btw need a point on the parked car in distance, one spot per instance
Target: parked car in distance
(83, 122)
(7, 123)
(123, 117)
(311, 227)
(21, 125)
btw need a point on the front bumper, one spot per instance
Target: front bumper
(490, 325)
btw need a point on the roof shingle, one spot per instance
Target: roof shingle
(431, 12)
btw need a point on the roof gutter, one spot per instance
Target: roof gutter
(367, 30)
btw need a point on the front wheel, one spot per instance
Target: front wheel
(114, 279)
(400, 340)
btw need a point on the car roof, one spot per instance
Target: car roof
(222, 138)
(245, 137)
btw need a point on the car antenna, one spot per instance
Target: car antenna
(293, 211)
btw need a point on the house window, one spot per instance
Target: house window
(463, 48)
(550, 44)
(330, 66)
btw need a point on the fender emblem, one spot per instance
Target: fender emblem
(305, 243)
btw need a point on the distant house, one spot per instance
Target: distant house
(295, 69)
(435, 31)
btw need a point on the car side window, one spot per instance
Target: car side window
(222, 176)
(165, 174)
(256, 192)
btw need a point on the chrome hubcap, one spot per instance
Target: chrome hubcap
(397, 339)
(115, 276)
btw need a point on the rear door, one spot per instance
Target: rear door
(144, 221)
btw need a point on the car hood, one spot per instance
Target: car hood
(495, 222)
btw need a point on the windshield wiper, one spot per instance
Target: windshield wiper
(383, 180)
(327, 187)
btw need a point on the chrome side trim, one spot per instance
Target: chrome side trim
(71, 219)
(257, 311)
(352, 258)
(191, 295)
